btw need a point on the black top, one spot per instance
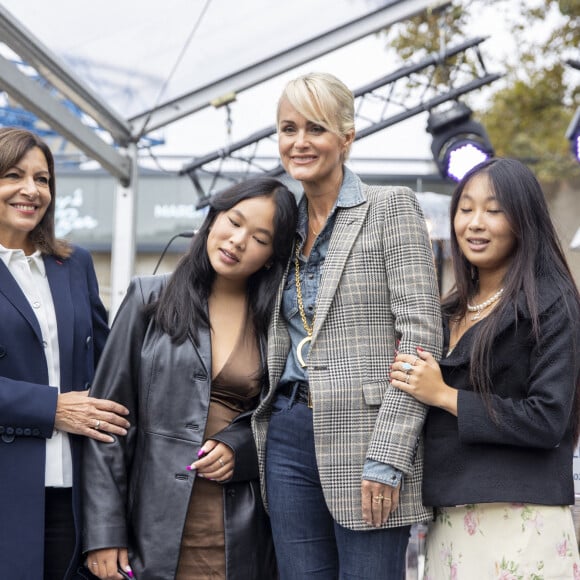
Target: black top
(525, 456)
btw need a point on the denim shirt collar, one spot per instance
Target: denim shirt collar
(350, 195)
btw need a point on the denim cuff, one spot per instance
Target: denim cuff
(381, 472)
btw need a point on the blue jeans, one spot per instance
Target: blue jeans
(309, 543)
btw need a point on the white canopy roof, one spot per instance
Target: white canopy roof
(139, 66)
(108, 75)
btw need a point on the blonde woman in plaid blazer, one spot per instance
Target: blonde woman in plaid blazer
(339, 449)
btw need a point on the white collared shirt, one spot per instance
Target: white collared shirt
(30, 274)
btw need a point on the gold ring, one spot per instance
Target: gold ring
(221, 461)
(98, 424)
(378, 498)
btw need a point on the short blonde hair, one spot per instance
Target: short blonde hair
(323, 99)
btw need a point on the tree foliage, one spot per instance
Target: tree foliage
(528, 112)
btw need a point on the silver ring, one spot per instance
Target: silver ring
(221, 461)
(98, 424)
(94, 564)
(415, 361)
(407, 378)
(407, 367)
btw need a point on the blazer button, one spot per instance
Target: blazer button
(7, 438)
(28, 432)
(19, 431)
(36, 432)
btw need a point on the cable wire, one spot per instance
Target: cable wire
(172, 71)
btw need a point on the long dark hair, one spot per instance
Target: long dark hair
(182, 307)
(537, 256)
(15, 143)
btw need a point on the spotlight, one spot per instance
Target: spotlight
(459, 143)
(573, 135)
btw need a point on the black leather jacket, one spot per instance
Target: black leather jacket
(137, 489)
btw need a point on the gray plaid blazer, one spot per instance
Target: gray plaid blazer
(378, 286)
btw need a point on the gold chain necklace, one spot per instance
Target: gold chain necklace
(310, 220)
(313, 230)
(307, 327)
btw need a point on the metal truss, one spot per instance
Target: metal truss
(407, 92)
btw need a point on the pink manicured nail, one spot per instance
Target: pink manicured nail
(189, 468)
(419, 349)
(201, 452)
(129, 572)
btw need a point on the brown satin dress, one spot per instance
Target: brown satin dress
(234, 390)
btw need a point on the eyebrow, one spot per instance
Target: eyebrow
(262, 230)
(39, 172)
(491, 197)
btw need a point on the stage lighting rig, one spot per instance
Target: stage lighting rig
(459, 143)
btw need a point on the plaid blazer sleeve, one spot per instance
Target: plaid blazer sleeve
(415, 305)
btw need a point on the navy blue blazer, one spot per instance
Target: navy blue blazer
(28, 404)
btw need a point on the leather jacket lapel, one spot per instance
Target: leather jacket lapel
(203, 350)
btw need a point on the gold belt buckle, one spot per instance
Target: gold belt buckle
(309, 399)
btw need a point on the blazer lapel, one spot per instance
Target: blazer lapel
(11, 290)
(58, 274)
(346, 230)
(278, 337)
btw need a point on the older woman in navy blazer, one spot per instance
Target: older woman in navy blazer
(52, 332)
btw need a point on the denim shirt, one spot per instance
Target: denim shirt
(311, 269)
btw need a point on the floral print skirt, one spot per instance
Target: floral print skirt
(502, 541)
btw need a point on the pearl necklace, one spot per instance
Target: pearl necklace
(479, 308)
